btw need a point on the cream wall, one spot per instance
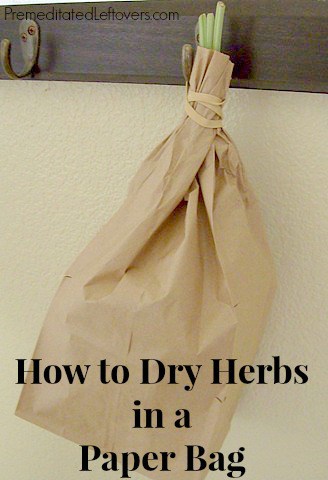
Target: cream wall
(68, 151)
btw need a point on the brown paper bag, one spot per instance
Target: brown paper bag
(182, 273)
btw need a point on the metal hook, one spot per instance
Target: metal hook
(188, 56)
(187, 61)
(29, 33)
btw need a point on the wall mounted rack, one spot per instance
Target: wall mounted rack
(275, 44)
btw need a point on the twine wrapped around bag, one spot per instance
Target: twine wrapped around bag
(182, 273)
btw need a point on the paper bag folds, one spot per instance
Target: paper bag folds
(182, 273)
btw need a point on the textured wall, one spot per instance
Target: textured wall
(68, 151)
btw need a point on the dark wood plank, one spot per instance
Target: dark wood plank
(275, 44)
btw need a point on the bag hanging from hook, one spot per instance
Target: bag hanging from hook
(181, 273)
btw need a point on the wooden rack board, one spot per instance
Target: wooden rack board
(275, 44)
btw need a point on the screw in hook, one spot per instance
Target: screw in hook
(31, 30)
(29, 37)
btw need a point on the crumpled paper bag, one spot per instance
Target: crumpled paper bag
(182, 273)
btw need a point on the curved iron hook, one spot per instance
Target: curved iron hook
(29, 33)
(187, 61)
(188, 56)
